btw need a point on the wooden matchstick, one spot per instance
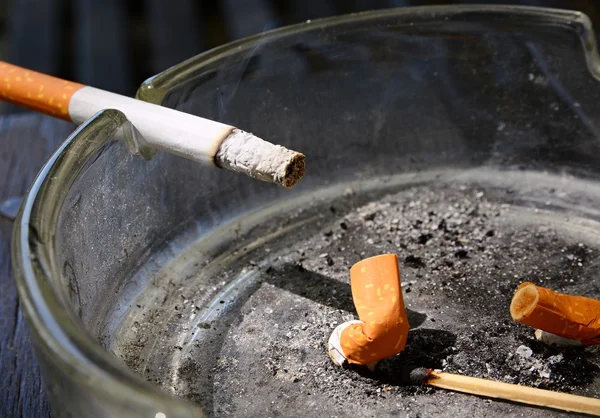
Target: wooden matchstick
(514, 393)
(179, 133)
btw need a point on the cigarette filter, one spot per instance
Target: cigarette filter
(570, 317)
(383, 327)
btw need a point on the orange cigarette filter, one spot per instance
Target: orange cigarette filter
(572, 317)
(36, 91)
(383, 327)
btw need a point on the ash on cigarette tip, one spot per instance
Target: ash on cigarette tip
(245, 153)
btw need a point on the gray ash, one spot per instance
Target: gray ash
(463, 252)
(462, 259)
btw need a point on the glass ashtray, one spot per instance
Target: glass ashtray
(464, 139)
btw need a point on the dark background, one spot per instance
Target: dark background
(116, 44)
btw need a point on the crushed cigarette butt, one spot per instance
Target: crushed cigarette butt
(566, 316)
(383, 327)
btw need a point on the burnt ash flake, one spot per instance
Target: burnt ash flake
(464, 261)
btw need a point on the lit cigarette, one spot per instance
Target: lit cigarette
(178, 133)
(574, 318)
(383, 327)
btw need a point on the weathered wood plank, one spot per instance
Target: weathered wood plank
(102, 48)
(303, 10)
(33, 38)
(26, 141)
(352, 6)
(248, 17)
(174, 29)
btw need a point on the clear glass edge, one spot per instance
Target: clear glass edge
(75, 351)
(155, 88)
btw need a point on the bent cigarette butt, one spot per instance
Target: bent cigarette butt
(570, 317)
(383, 327)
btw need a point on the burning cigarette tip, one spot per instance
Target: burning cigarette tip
(295, 170)
(245, 153)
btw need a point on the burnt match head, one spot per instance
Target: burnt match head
(410, 375)
(418, 376)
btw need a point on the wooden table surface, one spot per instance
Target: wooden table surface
(26, 141)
